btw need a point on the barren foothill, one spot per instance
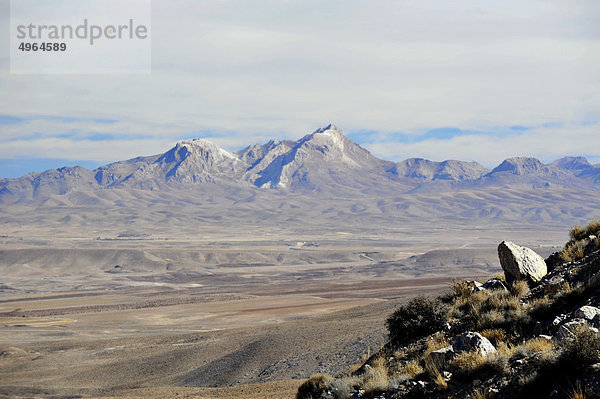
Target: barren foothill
(204, 319)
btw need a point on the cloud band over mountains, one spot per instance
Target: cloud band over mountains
(472, 80)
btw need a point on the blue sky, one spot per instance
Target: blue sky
(475, 80)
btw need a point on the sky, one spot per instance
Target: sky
(474, 80)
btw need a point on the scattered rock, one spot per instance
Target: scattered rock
(490, 285)
(473, 284)
(586, 312)
(474, 342)
(521, 263)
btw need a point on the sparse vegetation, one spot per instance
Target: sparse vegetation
(419, 317)
(427, 360)
(581, 350)
(579, 233)
(575, 248)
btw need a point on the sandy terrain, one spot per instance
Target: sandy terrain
(235, 318)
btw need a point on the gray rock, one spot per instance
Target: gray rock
(490, 285)
(586, 312)
(441, 357)
(474, 342)
(596, 321)
(520, 263)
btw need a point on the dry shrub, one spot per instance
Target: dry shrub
(540, 346)
(582, 350)
(467, 365)
(572, 359)
(519, 289)
(573, 251)
(499, 310)
(500, 276)
(460, 288)
(419, 317)
(505, 350)
(579, 233)
(343, 388)
(410, 369)
(575, 248)
(314, 387)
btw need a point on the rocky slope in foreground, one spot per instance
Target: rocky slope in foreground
(531, 333)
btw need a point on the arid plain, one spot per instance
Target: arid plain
(234, 314)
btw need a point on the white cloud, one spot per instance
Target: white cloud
(252, 69)
(546, 143)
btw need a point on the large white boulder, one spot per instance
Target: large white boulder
(520, 263)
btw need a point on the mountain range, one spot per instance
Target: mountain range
(325, 161)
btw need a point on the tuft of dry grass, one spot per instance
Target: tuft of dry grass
(495, 335)
(482, 394)
(435, 342)
(519, 289)
(573, 251)
(410, 369)
(460, 288)
(466, 364)
(435, 374)
(376, 378)
(577, 392)
(539, 346)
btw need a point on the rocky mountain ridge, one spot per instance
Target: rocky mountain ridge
(324, 161)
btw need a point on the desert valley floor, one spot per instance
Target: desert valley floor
(211, 317)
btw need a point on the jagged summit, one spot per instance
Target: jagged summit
(324, 161)
(521, 166)
(320, 160)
